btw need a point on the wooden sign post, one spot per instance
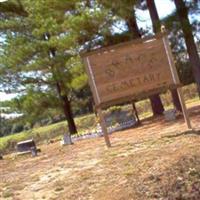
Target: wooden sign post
(131, 71)
(103, 127)
(175, 74)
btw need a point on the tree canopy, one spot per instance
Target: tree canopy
(42, 40)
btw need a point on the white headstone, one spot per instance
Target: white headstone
(170, 115)
(66, 140)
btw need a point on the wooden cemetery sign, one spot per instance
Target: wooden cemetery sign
(130, 71)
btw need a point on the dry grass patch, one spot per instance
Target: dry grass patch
(158, 160)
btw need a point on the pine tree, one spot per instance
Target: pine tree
(156, 28)
(182, 11)
(30, 60)
(41, 49)
(125, 10)
(11, 8)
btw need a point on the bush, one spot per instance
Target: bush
(17, 128)
(27, 127)
(114, 109)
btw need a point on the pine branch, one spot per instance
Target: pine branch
(9, 7)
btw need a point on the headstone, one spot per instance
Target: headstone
(99, 130)
(25, 145)
(66, 140)
(170, 115)
(34, 151)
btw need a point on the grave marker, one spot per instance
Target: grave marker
(25, 145)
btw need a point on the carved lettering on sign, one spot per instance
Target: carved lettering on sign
(129, 70)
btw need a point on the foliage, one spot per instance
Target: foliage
(114, 109)
(38, 57)
(41, 45)
(86, 122)
(45, 133)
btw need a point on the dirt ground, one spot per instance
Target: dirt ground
(158, 160)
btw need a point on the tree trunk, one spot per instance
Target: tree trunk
(67, 110)
(154, 15)
(189, 40)
(135, 113)
(90, 105)
(176, 100)
(156, 103)
(63, 97)
(133, 27)
(156, 28)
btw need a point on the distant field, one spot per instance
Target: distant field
(88, 122)
(45, 133)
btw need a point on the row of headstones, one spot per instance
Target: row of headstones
(170, 115)
(29, 145)
(98, 131)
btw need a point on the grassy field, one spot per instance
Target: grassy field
(45, 133)
(158, 160)
(88, 122)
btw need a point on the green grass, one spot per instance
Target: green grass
(88, 122)
(45, 133)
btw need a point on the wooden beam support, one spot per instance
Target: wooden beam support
(185, 112)
(176, 78)
(103, 127)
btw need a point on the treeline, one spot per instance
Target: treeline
(42, 40)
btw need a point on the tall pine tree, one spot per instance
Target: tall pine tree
(182, 11)
(156, 28)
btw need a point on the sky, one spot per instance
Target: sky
(164, 7)
(4, 96)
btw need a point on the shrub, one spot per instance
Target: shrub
(17, 128)
(114, 109)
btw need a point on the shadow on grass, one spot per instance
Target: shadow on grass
(194, 111)
(178, 181)
(188, 132)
